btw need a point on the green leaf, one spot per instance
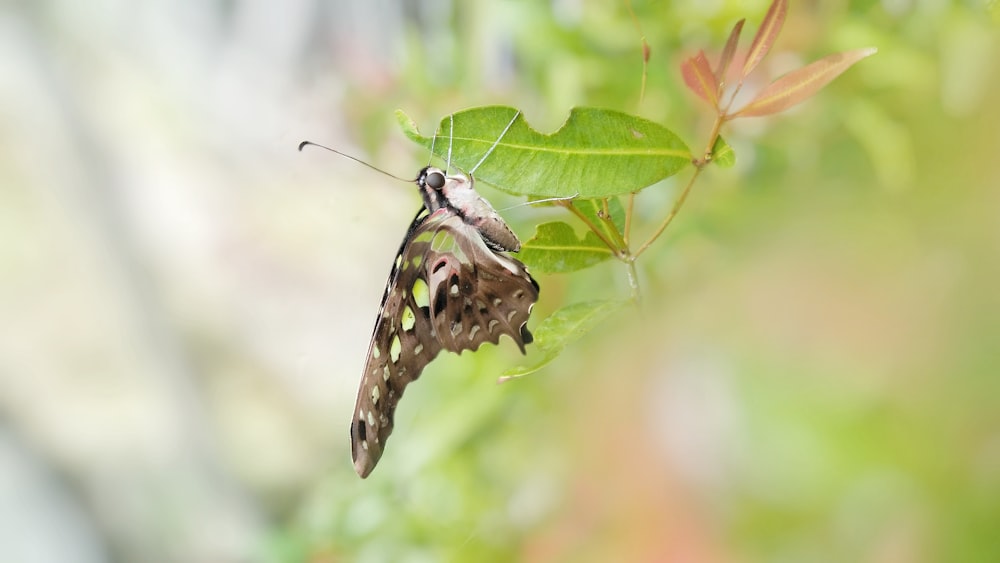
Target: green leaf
(562, 328)
(596, 153)
(722, 154)
(556, 249)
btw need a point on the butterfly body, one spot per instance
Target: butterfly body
(450, 288)
(458, 193)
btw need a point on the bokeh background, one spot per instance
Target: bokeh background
(186, 300)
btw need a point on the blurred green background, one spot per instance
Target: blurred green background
(186, 301)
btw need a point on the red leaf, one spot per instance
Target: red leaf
(729, 51)
(766, 35)
(800, 84)
(700, 79)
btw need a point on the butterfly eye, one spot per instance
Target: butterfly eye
(435, 180)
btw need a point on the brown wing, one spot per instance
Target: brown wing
(447, 290)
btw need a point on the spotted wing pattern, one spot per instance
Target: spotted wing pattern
(447, 290)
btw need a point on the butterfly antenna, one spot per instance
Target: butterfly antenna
(304, 144)
(497, 142)
(433, 142)
(451, 138)
(546, 200)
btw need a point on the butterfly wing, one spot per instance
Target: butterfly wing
(446, 290)
(476, 294)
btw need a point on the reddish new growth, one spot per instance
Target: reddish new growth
(712, 85)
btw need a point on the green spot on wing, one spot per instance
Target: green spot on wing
(421, 293)
(407, 319)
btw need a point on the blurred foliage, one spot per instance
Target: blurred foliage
(812, 376)
(850, 404)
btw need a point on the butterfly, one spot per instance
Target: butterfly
(452, 287)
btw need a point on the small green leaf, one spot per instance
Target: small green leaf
(722, 154)
(556, 249)
(562, 328)
(593, 209)
(596, 153)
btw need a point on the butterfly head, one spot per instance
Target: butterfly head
(442, 190)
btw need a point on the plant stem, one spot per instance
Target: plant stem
(612, 231)
(628, 218)
(617, 250)
(618, 247)
(633, 281)
(699, 165)
(673, 213)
